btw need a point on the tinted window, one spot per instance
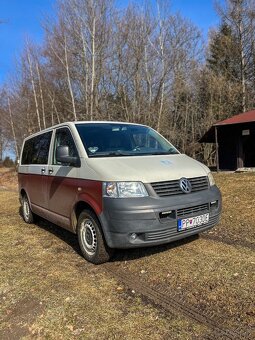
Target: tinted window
(64, 138)
(36, 149)
(111, 140)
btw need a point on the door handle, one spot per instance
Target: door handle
(50, 171)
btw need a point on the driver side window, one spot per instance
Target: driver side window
(64, 137)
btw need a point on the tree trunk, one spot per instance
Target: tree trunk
(34, 91)
(92, 69)
(13, 130)
(41, 95)
(69, 82)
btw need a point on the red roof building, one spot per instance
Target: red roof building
(245, 117)
(235, 141)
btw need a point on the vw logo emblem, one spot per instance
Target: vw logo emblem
(185, 185)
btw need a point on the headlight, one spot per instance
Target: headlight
(124, 189)
(211, 179)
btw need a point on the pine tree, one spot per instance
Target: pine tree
(223, 53)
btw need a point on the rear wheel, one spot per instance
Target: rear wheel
(27, 213)
(91, 239)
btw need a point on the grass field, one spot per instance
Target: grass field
(48, 291)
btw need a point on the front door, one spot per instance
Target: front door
(62, 187)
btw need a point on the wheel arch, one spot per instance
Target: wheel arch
(78, 208)
(23, 192)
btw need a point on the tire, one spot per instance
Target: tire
(27, 213)
(91, 239)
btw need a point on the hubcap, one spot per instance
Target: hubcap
(88, 236)
(26, 209)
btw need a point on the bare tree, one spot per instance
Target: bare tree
(136, 64)
(13, 129)
(41, 95)
(28, 55)
(63, 59)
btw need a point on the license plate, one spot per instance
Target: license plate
(191, 222)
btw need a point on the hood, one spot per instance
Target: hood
(146, 169)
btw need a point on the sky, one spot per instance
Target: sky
(22, 19)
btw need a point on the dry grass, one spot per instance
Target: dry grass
(8, 178)
(210, 275)
(204, 274)
(47, 290)
(238, 218)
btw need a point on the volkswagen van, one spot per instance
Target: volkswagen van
(115, 185)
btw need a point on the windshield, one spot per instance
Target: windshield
(113, 140)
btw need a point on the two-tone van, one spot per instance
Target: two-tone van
(116, 185)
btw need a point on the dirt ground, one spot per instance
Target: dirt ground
(8, 179)
(199, 288)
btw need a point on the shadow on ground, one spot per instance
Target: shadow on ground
(119, 254)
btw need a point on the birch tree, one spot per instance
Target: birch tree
(31, 70)
(13, 128)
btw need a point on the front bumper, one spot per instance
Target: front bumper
(143, 216)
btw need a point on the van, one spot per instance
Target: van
(115, 185)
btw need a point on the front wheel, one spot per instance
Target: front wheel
(91, 239)
(27, 213)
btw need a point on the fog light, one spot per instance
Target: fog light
(214, 205)
(133, 236)
(167, 212)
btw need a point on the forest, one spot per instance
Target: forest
(143, 64)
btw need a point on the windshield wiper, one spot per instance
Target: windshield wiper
(164, 153)
(110, 154)
(122, 154)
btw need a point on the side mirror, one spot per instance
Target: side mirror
(63, 156)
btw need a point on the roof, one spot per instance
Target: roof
(72, 123)
(246, 117)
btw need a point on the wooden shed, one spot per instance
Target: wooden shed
(235, 141)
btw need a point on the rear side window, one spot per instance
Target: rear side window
(36, 149)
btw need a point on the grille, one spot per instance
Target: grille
(170, 188)
(172, 231)
(198, 209)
